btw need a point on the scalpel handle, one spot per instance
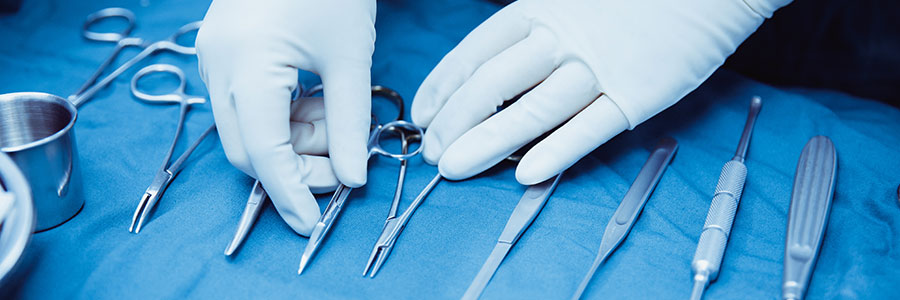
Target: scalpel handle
(714, 237)
(527, 209)
(808, 217)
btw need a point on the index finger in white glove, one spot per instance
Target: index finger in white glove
(486, 89)
(501, 31)
(562, 95)
(592, 127)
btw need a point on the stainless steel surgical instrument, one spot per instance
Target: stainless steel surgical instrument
(251, 210)
(122, 41)
(392, 229)
(522, 216)
(392, 225)
(333, 210)
(167, 171)
(258, 194)
(808, 217)
(711, 247)
(631, 206)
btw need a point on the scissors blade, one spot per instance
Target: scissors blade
(322, 227)
(630, 207)
(522, 216)
(251, 212)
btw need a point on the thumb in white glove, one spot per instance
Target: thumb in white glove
(249, 53)
(596, 66)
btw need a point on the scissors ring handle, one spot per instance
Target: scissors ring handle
(111, 12)
(383, 91)
(410, 130)
(173, 40)
(176, 95)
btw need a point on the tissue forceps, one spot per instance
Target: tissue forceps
(167, 171)
(333, 210)
(122, 41)
(258, 194)
(394, 225)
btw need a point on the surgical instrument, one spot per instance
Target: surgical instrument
(808, 216)
(522, 216)
(167, 171)
(251, 210)
(170, 43)
(711, 247)
(631, 206)
(258, 194)
(333, 210)
(393, 228)
(121, 39)
(385, 241)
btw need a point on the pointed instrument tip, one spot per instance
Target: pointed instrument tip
(303, 261)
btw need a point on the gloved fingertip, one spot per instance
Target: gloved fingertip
(301, 220)
(354, 179)
(431, 155)
(527, 174)
(450, 169)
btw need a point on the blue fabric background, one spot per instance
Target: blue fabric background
(179, 252)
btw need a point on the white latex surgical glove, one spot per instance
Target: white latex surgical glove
(249, 54)
(597, 67)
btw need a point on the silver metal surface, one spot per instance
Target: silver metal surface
(166, 172)
(258, 194)
(333, 210)
(36, 131)
(19, 222)
(375, 260)
(523, 215)
(248, 217)
(169, 44)
(808, 216)
(631, 206)
(392, 230)
(714, 237)
(121, 39)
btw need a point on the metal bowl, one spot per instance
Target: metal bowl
(16, 230)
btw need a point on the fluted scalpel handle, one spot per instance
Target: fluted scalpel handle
(808, 217)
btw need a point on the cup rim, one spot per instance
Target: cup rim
(39, 96)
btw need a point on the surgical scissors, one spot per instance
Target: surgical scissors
(122, 41)
(389, 232)
(258, 194)
(333, 210)
(167, 171)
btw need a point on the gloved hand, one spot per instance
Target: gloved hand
(249, 53)
(599, 66)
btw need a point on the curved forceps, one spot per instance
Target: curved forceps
(333, 210)
(122, 41)
(258, 194)
(167, 171)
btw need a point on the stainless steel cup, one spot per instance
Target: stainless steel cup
(36, 131)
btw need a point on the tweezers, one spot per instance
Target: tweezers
(630, 207)
(808, 217)
(523, 215)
